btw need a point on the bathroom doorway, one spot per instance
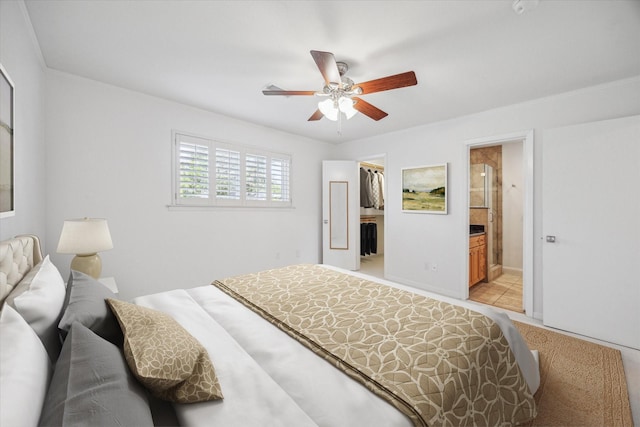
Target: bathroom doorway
(498, 223)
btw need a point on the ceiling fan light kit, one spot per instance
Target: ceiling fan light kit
(329, 109)
(341, 93)
(346, 106)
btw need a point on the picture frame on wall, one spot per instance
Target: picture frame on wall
(7, 161)
(424, 189)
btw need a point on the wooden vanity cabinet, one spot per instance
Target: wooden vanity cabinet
(477, 259)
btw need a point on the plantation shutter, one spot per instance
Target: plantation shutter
(193, 170)
(227, 174)
(256, 177)
(280, 180)
(207, 172)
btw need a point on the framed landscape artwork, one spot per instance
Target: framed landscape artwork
(424, 189)
(7, 200)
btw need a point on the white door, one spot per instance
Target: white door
(340, 214)
(591, 207)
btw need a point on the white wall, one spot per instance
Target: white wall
(412, 240)
(513, 192)
(109, 155)
(20, 57)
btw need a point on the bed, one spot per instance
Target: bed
(301, 345)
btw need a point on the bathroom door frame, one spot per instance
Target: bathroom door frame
(526, 137)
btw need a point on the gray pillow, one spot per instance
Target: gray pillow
(85, 303)
(93, 386)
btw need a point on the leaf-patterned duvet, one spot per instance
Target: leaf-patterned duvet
(438, 363)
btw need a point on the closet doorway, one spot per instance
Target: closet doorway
(372, 205)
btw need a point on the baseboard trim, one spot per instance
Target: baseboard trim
(512, 270)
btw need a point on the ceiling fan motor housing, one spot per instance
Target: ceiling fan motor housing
(342, 68)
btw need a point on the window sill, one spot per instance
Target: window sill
(188, 208)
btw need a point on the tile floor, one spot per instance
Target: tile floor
(504, 292)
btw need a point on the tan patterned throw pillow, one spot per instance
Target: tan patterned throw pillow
(164, 357)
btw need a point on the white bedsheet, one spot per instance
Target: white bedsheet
(269, 379)
(251, 397)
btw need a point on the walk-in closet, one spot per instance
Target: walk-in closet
(372, 201)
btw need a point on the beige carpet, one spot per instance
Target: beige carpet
(581, 383)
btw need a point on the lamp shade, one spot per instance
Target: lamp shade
(84, 236)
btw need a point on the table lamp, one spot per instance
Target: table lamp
(85, 237)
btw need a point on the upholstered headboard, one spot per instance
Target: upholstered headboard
(17, 257)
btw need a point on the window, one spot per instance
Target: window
(215, 173)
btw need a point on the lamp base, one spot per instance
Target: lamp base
(90, 264)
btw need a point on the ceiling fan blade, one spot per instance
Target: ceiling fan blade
(289, 92)
(387, 83)
(327, 65)
(368, 110)
(316, 116)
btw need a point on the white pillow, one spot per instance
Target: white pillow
(40, 304)
(25, 371)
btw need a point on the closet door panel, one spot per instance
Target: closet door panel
(341, 214)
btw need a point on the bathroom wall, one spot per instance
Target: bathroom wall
(513, 206)
(479, 216)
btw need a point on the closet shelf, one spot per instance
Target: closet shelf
(371, 211)
(371, 166)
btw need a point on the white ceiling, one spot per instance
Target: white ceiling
(468, 56)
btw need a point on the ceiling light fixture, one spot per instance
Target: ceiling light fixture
(339, 97)
(332, 108)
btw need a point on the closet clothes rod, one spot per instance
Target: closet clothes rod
(371, 166)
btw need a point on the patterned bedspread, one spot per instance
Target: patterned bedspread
(438, 363)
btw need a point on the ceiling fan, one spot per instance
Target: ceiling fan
(341, 93)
